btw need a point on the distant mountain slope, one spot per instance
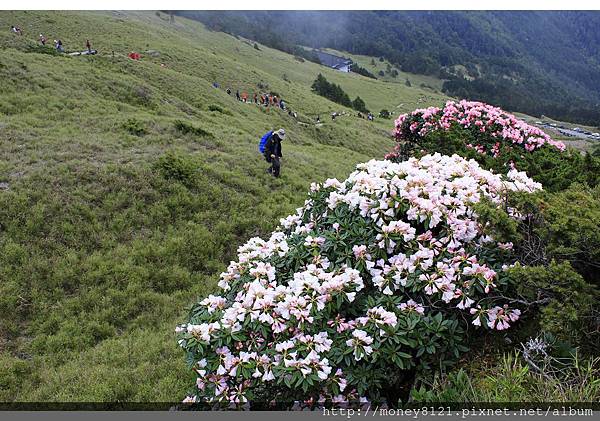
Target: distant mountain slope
(534, 62)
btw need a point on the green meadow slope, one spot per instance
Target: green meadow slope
(112, 220)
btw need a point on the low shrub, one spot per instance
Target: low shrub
(187, 128)
(570, 229)
(219, 109)
(135, 127)
(562, 226)
(373, 280)
(566, 301)
(177, 167)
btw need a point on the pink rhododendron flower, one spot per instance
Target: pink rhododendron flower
(483, 118)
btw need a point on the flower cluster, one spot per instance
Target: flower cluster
(354, 281)
(491, 129)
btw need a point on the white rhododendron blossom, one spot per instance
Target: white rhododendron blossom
(368, 275)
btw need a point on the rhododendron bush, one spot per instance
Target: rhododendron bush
(496, 139)
(373, 279)
(493, 130)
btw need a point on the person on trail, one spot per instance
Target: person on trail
(333, 115)
(244, 97)
(318, 119)
(255, 98)
(59, 46)
(43, 40)
(228, 91)
(282, 104)
(273, 152)
(237, 95)
(88, 46)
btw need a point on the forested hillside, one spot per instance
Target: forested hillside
(534, 62)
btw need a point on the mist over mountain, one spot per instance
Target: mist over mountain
(536, 62)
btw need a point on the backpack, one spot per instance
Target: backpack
(263, 141)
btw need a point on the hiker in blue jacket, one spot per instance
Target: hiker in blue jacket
(273, 152)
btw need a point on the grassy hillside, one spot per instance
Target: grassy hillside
(112, 220)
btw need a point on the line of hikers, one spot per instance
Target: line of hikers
(369, 116)
(58, 44)
(265, 99)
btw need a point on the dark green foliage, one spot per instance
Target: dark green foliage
(335, 93)
(135, 127)
(572, 229)
(354, 67)
(407, 83)
(558, 242)
(505, 228)
(219, 109)
(381, 73)
(394, 73)
(187, 128)
(567, 225)
(177, 167)
(359, 105)
(331, 91)
(567, 303)
(256, 47)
